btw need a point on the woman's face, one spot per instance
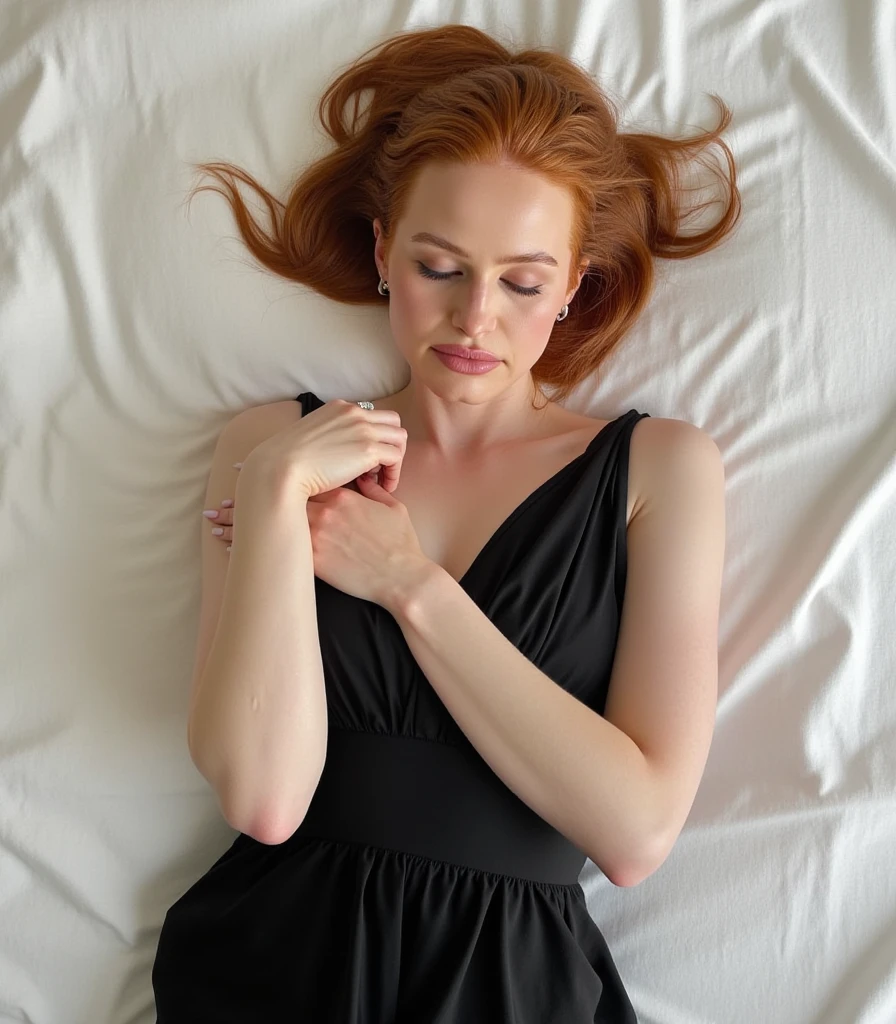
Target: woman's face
(489, 296)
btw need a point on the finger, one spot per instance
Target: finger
(219, 516)
(389, 478)
(223, 533)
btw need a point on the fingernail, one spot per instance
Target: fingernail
(226, 503)
(218, 531)
(210, 513)
(237, 465)
(229, 546)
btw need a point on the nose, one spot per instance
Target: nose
(474, 313)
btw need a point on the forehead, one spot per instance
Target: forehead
(489, 209)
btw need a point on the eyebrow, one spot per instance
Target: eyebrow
(524, 257)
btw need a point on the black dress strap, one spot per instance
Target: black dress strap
(309, 401)
(620, 496)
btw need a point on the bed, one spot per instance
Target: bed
(133, 327)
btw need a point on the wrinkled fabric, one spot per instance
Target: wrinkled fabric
(323, 930)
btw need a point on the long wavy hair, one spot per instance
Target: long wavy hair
(454, 94)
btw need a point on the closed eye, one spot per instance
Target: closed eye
(434, 275)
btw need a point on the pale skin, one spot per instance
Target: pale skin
(621, 785)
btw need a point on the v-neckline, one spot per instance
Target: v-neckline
(530, 497)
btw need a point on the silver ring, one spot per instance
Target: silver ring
(366, 405)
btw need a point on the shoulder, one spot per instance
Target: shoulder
(669, 455)
(253, 425)
(658, 440)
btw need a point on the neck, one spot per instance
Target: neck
(454, 427)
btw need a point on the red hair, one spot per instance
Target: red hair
(453, 94)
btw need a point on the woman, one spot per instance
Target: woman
(424, 698)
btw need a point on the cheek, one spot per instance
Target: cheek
(415, 308)
(418, 296)
(533, 330)
(407, 293)
(535, 323)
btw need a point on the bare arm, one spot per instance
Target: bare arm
(258, 718)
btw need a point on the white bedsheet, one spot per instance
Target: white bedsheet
(130, 333)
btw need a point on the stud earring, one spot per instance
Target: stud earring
(564, 312)
(382, 287)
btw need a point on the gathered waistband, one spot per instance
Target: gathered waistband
(434, 800)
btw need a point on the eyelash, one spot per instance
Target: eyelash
(434, 275)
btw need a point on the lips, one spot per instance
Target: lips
(462, 352)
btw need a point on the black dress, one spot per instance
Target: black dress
(419, 889)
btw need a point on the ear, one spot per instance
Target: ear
(583, 266)
(379, 248)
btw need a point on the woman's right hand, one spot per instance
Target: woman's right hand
(333, 445)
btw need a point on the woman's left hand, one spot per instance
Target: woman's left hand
(363, 542)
